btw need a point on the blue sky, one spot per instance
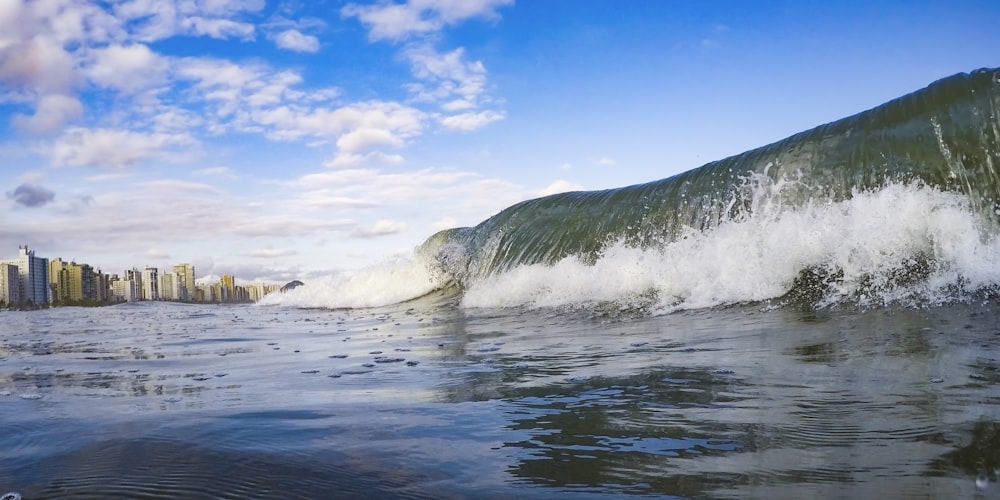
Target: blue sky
(281, 140)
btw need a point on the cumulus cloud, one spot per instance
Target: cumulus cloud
(604, 161)
(356, 127)
(295, 40)
(31, 196)
(153, 20)
(449, 74)
(398, 21)
(36, 66)
(381, 227)
(113, 148)
(51, 114)
(127, 68)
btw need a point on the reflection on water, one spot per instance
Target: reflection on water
(428, 400)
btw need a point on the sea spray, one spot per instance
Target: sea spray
(902, 244)
(389, 282)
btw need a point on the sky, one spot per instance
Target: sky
(279, 140)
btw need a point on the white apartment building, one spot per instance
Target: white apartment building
(150, 284)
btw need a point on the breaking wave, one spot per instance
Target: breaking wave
(898, 204)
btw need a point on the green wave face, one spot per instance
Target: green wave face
(945, 136)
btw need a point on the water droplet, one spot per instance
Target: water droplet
(982, 482)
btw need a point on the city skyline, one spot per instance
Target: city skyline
(32, 280)
(284, 140)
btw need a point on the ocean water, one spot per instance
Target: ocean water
(815, 318)
(431, 400)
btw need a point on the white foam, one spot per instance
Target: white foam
(390, 282)
(867, 237)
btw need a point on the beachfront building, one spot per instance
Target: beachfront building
(33, 276)
(102, 286)
(10, 285)
(184, 277)
(168, 286)
(76, 283)
(150, 284)
(126, 290)
(55, 268)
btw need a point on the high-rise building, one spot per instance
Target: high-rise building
(185, 282)
(76, 283)
(55, 267)
(126, 290)
(101, 286)
(10, 285)
(33, 276)
(150, 284)
(168, 286)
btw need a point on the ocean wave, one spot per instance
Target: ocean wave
(898, 204)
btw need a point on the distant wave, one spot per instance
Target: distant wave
(896, 204)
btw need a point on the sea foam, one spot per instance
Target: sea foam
(906, 244)
(392, 281)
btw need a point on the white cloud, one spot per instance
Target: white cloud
(127, 68)
(156, 253)
(214, 171)
(295, 40)
(392, 21)
(451, 74)
(217, 28)
(169, 185)
(472, 195)
(348, 160)
(152, 20)
(560, 186)
(51, 113)
(381, 227)
(605, 161)
(33, 67)
(271, 253)
(327, 198)
(114, 148)
(471, 121)
(356, 126)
